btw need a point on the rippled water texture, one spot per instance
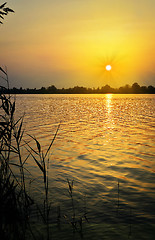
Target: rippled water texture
(105, 143)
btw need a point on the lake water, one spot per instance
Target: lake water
(106, 144)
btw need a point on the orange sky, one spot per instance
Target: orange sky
(68, 43)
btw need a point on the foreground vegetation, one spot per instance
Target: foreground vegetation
(135, 88)
(16, 203)
(4, 10)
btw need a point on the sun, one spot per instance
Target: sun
(108, 67)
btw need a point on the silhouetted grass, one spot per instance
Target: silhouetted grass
(15, 201)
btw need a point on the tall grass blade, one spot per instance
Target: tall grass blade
(38, 144)
(26, 143)
(1, 69)
(3, 5)
(39, 165)
(52, 141)
(19, 130)
(13, 109)
(17, 121)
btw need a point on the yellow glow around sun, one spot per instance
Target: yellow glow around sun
(108, 67)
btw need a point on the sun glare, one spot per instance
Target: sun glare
(108, 67)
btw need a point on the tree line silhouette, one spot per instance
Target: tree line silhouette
(127, 89)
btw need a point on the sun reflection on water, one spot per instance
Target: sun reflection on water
(108, 103)
(109, 115)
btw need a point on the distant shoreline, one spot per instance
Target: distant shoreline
(127, 89)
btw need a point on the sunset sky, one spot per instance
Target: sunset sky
(70, 42)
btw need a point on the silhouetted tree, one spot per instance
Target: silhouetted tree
(42, 90)
(121, 90)
(89, 90)
(106, 89)
(51, 89)
(144, 89)
(136, 88)
(127, 89)
(151, 89)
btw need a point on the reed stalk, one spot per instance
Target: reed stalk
(43, 164)
(11, 134)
